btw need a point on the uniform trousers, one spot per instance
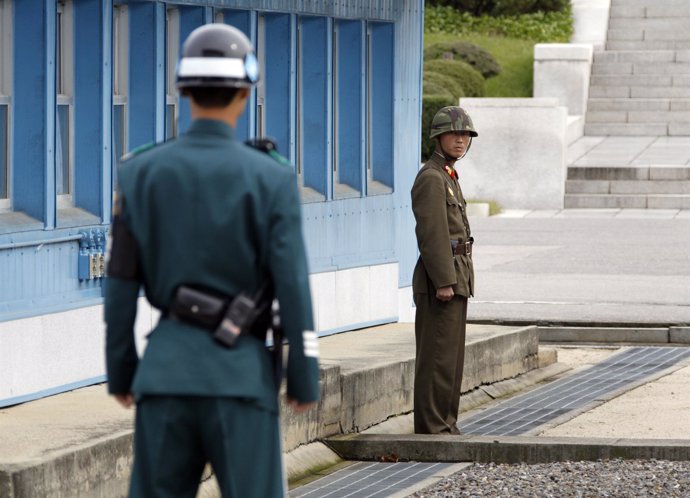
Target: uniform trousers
(176, 436)
(440, 340)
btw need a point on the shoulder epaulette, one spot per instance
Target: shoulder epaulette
(138, 150)
(280, 159)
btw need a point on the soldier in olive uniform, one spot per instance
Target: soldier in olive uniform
(443, 278)
(198, 221)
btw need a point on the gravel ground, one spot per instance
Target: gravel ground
(610, 478)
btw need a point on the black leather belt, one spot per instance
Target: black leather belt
(462, 248)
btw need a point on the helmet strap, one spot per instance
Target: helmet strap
(440, 152)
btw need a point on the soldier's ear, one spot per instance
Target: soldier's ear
(242, 93)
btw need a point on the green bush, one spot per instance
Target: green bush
(430, 106)
(553, 27)
(469, 79)
(441, 84)
(467, 52)
(504, 7)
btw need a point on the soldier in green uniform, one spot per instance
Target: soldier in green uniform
(443, 278)
(204, 224)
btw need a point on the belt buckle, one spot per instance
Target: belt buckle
(468, 248)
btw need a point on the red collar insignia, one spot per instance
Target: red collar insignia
(451, 172)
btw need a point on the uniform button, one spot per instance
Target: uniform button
(195, 309)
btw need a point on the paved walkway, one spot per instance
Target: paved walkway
(583, 266)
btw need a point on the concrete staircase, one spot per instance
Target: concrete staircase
(639, 87)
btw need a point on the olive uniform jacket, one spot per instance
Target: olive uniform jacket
(209, 211)
(439, 209)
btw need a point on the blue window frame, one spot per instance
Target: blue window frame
(245, 21)
(314, 104)
(380, 67)
(274, 92)
(348, 108)
(146, 97)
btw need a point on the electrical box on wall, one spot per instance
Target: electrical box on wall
(92, 254)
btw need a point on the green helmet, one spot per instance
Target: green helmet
(452, 118)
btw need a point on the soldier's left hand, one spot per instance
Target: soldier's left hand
(298, 407)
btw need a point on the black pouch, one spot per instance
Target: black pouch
(198, 308)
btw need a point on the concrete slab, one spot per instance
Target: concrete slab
(504, 449)
(606, 335)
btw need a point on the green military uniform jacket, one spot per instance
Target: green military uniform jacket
(439, 210)
(209, 211)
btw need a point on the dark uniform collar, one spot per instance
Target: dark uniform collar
(211, 127)
(439, 161)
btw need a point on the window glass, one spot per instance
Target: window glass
(64, 66)
(120, 86)
(62, 150)
(5, 90)
(4, 176)
(172, 42)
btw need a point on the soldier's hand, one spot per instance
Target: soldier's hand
(126, 400)
(298, 407)
(445, 293)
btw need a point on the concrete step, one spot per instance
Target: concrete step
(504, 449)
(649, 4)
(672, 34)
(622, 201)
(676, 20)
(641, 80)
(638, 56)
(627, 173)
(649, 12)
(641, 116)
(625, 104)
(647, 44)
(628, 129)
(673, 92)
(641, 68)
(626, 187)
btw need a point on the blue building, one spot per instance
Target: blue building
(83, 81)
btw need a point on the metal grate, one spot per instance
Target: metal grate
(523, 413)
(367, 479)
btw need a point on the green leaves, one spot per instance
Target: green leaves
(539, 27)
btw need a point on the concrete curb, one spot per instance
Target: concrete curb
(503, 449)
(91, 471)
(604, 333)
(613, 335)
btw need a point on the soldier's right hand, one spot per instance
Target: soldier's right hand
(445, 293)
(126, 400)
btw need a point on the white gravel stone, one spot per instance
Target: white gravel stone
(610, 478)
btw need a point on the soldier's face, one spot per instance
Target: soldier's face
(455, 143)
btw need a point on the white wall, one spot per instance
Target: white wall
(519, 157)
(61, 351)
